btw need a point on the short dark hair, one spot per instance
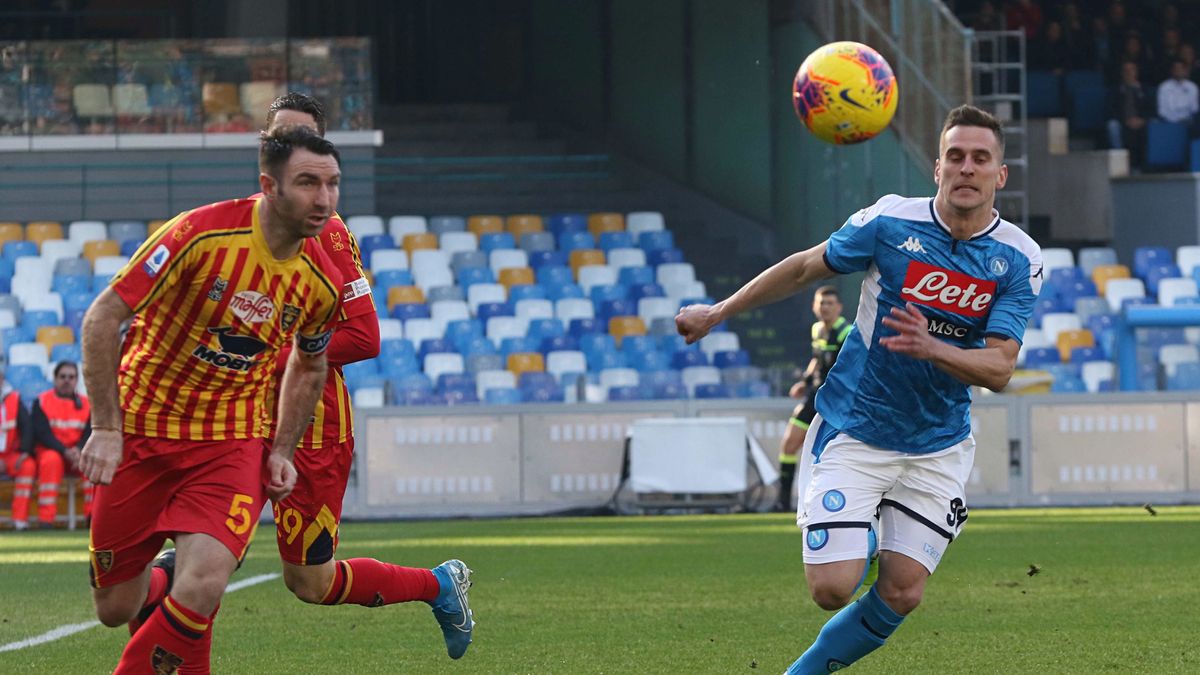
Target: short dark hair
(65, 364)
(970, 116)
(276, 147)
(828, 290)
(294, 100)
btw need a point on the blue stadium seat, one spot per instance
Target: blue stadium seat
(1072, 291)
(11, 336)
(602, 359)
(398, 367)
(1085, 354)
(540, 259)
(29, 391)
(20, 374)
(558, 292)
(600, 294)
(78, 299)
(648, 361)
(7, 269)
(1043, 91)
(695, 357)
(518, 345)
(478, 345)
(712, 391)
(1039, 357)
(626, 393)
(1186, 378)
(493, 241)
(753, 389)
(66, 352)
(558, 343)
(451, 381)
(475, 275)
(580, 327)
(543, 394)
(412, 397)
(651, 290)
(129, 247)
(1088, 107)
(610, 308)
(487, 310)
(632, 276)
(434, 346)
(396, 348)
(674, 342)
(554, 275)
(656, 240)
(32, 321)
(1146, 258)
(671, 391)
(532, 242)
(545, 328)
(1166, 145)
(1043, 306)
(567, 222)
(571, 241)
(461, 397)
(70, 283)
(1068, 385)
(460, 260)
(1155, 337)
(410, 310)
(639, 343)
(611, 240)
(442, 224)
(73, 319)
(502, 396)
(418, 381)
(101, 281)
(596, 342)
(526, 292)
(1061, 276)
(460, 331)
(664, 255)
(1159, 272)
(374, 242)
(386, 279)
(731, 359)
(531, 379)
(19, 249)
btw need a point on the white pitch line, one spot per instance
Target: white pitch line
(73, 628)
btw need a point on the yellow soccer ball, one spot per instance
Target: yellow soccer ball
(845, 93)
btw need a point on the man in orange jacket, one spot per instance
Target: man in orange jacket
(16, 450)
(61, 425)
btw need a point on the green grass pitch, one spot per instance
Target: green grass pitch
(1116, 592)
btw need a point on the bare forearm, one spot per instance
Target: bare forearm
(777, 282)
(303, 382)
(101, 354)
(988, 367)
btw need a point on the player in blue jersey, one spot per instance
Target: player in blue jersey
(949, 288)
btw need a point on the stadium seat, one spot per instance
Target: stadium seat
(41, 230)
(423, 329)
(565, 361)
(444, 293)
(568, 309)
(49, 336)
(622, 258)
(660, 240)
(719, 342)
(532, 242)
(1095, 372)
(404, 294)
(1068, 384)
(469, 276)
(1092, 257)
(594, 276)
(364, 226)
(1044, 94)
(578, 328)
(525, 362)
(644, 221)
(522, 224)
(1085, 354)
(31, 353)
(1089, 109)
(442, 224)
(614, 240)
(1055, 323)
(83, 231)
(109, 265)
(514, 276)
(731, 359)
(566, 222)
(1170, 356)
(584, 257)
(100, 248)
(485, 293)
(498, 327)
(454, 242)
(574, 241)
(485, 224)
(1185, 378)
(1057, 258)
(57, 249)
(390, 329)
(66, 351)
(369, 397)
(1117, 291)
(498, 241)
(1188, 258)
(1101, 274)
(399, 226)
(11, 232)
(386, 259)
(440, 363)
(689, 358)
(445, 311)
(1170, 290)
(1039, 357)
(533, 308)
(19, 249)
(628, 393)
(129, 247)
(447, 382)
(1166, 144)
(519, 292)
(461, 260)
(675, 274)
(419, 241)
(605, 222)
(493, 379)
(1145, 258)
(1070, 339)
(1159, 273)
(621, 326)
(409, 310)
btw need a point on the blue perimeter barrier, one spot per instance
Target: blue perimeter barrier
(1141, 316)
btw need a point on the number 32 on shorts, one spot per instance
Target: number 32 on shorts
(240, 520)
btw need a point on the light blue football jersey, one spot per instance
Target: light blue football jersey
(984, 286)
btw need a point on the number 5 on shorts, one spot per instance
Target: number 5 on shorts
(239, 519)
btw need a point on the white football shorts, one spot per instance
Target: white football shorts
(919, 500)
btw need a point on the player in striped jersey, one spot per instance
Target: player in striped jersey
(179, 428)
(306, 522)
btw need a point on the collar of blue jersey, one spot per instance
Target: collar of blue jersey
(986, 231)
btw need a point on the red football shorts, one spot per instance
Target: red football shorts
(165, 487)
(306, 522)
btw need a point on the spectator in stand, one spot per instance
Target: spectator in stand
(1050, 51)
(1101, 43)
(1132, 51)
(1024, 15)
(1119, 24)
(1179, 98)
(1167, 53)
(1078, 38)
(61, 426)
(1187, 54)
(1131, 107)
(16, 451)
(987, 18)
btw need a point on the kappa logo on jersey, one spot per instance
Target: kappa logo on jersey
(157, 259)
(252, 307)
(925, 284)
(218, 289)
(237, 351)
(287, 318)
(913, 245)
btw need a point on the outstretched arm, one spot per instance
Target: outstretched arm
(991, 367)
(101, 354)
(777, 282)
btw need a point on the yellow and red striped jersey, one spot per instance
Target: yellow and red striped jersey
(213, 307)
(333, 420)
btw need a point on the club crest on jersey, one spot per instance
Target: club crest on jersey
(104, 560)
(218, 289)
(955, 292)
(164, 662)
(252, 307)
(998, 266)
(288, 317)
(157, 259)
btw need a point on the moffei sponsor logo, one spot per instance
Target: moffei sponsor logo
(955, 292)
(252, 307)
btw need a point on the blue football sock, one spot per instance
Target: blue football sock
(859, 629)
